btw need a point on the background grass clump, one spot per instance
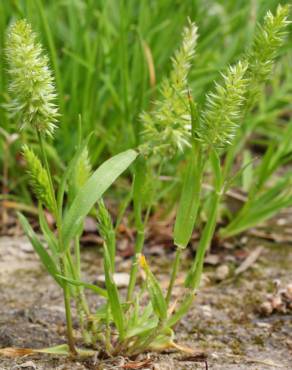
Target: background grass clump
(110, 58)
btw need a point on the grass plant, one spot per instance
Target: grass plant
(177, 124)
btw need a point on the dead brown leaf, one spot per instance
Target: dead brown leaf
(16, 352)
(137, 364)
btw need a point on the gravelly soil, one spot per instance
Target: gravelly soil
(223, 322)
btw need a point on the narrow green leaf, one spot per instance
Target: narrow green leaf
(46, 259)
(139, 325)
(113, 296)
(194, 116)
(264, 168)
(92, 190)
(148, 311)
(189, 201)
(155, 292)
(260, 207)
(216, 167)
(248, 174)
(143, 328)
(63, 349)
(94, 288)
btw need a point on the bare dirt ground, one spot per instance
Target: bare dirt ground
(224, 322)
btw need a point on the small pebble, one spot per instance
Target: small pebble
(120, 278)
(266, 308)
(28, 365)
(222, 272)
(207, 310)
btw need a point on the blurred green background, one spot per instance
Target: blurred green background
(109, 57)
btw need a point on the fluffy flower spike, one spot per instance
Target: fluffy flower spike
(267, 42)
(38, 178)
(31, 84)
(220, 119)
(168, 127)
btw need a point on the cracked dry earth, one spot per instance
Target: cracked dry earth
(224, 322)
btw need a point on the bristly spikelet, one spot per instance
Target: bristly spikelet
(105, 225)
(167, 127)
(31, 84)
(83, 169)
(81, 173)
(219, 120)
(268, 39)
(38, 178)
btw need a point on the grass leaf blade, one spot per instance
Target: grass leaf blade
(39, 249)
(92, 190)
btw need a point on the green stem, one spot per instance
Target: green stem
(138, 185)
(174, 272)
(108, 345)
(88, 327)
(134, 269)
(77, 257)
(79, 289)
(67, 297)
(66, 289)
(46, 163)
(194, 276)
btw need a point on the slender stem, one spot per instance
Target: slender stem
(67, 297)
(140, 221)
(77, 257)
(138, 184)
(108, 331)
(134, 269)
(79, 289)
(80, 298)
(174, 272)
(63, 261)
(46, 163)
(194, 276)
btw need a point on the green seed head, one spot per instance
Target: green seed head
(219, 120)
(268, 39)
(168, 127)
(38, 178)
(31, 86)
(81, 172)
